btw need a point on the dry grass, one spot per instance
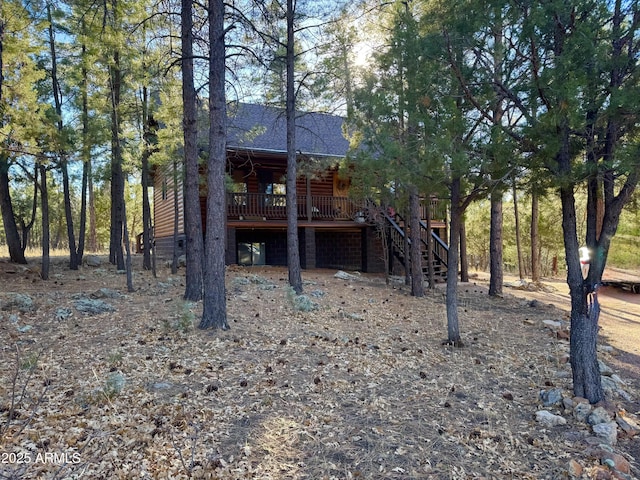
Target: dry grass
(361, 388)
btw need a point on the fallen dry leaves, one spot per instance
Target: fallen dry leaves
(360, 388)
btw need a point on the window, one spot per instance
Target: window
(278, 192)
(240, 193)
(251, 253)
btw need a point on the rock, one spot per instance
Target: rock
(607, 432)
(63, 313)
(567, 403)
(548, 419)
(92, 261)
(604, 368)
(615, 461)
(618, 380)
(16, 301)
(553, 323)
(346, 276)
(551, 397)
(106, 293)
(90, 306)
(574, 469)
(624, 395)
(599, 415)
(581, 411)
(608, 385)
(628, 423)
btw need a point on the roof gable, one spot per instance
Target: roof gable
(261, 128)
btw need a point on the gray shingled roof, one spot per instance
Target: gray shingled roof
(260, 128)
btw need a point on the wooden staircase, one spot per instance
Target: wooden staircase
(394, 225)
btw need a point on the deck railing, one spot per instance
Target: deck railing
(263, 206)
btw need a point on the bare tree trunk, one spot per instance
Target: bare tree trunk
(87, 173)
(44, 199)
(406, 257)
(192, 209)
(495, 244)
(417, 277)
(27, 226)
(535, 238)
(464, 261)
(584, 317)
(293, 248)
(430, 258)
(116, 253)
(453, 325)
(16, 253)
(127, 247)
(214, 309)
(148, 126)
(518, 239)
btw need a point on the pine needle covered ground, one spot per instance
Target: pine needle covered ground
(350, 381)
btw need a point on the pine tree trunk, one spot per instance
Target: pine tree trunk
(214, 309)
(16, 253)
(293, 248)
(584, 314)
(44, 199)
(192, 209)
(453, 325)
(518, 239)
(116, 250)
(464, 261)
(417, 277)
(430, 257)
(57, 94)
(495, 245)
(146, 206)
(535, 238)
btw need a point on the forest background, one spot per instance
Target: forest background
(58, 66)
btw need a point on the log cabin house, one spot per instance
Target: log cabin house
(334, 230)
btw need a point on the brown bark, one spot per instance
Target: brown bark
(453, 324)
(495, 245)
(16, 253)
(214, 311)
(535, 238)
(464, 260)
(293, 248)
(192, 213)
(44, 199)
(417, 277)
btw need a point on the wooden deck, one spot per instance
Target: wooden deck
(262, 207)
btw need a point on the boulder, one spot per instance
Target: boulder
(17, 301)
(92, 261)
(548, 419)
(608, 432)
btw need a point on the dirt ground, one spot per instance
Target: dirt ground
(351, 381)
